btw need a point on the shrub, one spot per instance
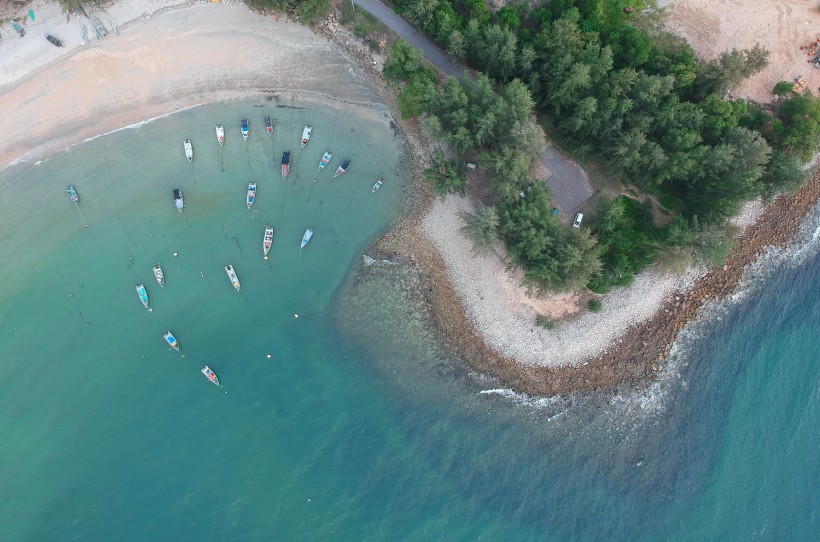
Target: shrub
(544, 322)
(595, 305)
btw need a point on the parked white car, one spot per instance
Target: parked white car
(578, 218)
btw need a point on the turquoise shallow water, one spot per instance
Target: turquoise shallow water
(361, 425)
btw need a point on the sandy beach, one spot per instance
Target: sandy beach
(780, 26)
(173, 57)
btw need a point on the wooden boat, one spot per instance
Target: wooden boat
(245, 129)
(211, 375)
(325, 160)
(178, 201)
(306, 237)
(189, 150)
(285, 164)
(73, 195)
(100, 28)
(306, 135)
(267, 241)
(171, 340)
(342, 168)
(220, 134)
(268, 125)
(84, 34)
(159, 275)
(251, 193)
(54, 41)
(232, 277)
(143, 295)
(17, 28)
(376, 186)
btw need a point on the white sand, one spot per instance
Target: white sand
(781, 26)
(505, 315)
(173, 59)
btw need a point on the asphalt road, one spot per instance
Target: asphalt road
(569, 184)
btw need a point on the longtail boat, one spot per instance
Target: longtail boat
(376, 186)
(210, 375)
(159, 275)
(251, 193)
(306, 237)
(72, 194)
(171, 340)
(267, 241)
(143, 295)
(306, 135)
(189, 150)
(268, 125)
(342, 168)
(232, 277)
(245, 129)
(178, 201)
(220, 134)
(285, 164)
(325, 160)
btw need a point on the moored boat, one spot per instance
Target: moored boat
(159, 275)
(143, 294)
(376, 186)
(211, 375)
(325, 160)
(267, 241)
(232, 277)
(73, 195)
(285, 164)
(84, 34)
(245, 129)
(268, 125)
(178, 201)
(306, 237)
(189, 150)
(306, 135)
(342, 168)
(171, 340)
(220, 134)
(54, 41)
(251, 193)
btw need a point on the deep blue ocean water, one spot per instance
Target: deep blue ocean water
(361, 425)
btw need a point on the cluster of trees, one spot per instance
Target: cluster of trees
(619, 88)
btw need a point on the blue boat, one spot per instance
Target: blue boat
(306, 237)
(143, 294)
(251, 193)
(73, 195)
(171, 340)
(285, 164)
(245, 129)
(342, 169)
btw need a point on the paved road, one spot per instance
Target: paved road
(568, 182)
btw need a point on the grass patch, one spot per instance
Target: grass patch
(544, 322)
(361, 23)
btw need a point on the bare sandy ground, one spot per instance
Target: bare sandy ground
(164, 61)
(781, 26)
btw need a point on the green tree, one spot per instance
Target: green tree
(445, 176)
(783, 88)
(403, 61)
(482, 229)
(729, 69)
(500, 52)
(455, 46)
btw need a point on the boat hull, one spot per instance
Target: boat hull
(210, 375)
(159, 275)
(267, 241)
(229, 270)
(376, 186)
(251, 194)
(325, 160)
(245, 129)
(171, 340)
(220, 135)
(306, 237)
(306, 135)
(342, 169)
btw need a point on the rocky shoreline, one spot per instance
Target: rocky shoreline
(636, 356)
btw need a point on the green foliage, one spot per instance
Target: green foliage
(800, 115)
(712, 243)
(403, 62)
(446, 176)
(785, 173)
(554, 257)
(415, 95)
(628, 242)
(595, 305)
(310, 11)
(729, 69)
(482, 229)
(544, 322)
(782, 88)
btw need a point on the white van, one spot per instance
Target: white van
(578, 218)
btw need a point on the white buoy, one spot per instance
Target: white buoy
(175, 253)
(268, 356)
(296, 316)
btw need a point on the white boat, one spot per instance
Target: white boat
(306, 237)
(245, 129)
(251, 193)
(143, 294)
(210, 375)
(232, 276)
(325, 160)
(189, 150)
(267, 241)
(376, 186)
(306, 135)
(220, 134)
(171, 340)
(178, 201)
(158, 274)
